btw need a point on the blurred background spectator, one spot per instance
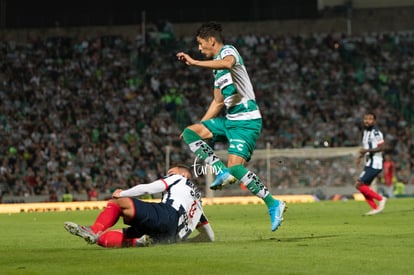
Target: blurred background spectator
(93, 114)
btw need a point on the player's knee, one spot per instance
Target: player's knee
(187, 130)
(190, 134)
(195, 128)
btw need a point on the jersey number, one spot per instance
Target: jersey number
(193, 209)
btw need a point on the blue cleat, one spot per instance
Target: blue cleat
(276, 214)
(223, 178)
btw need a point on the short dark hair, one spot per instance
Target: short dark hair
(210, 29)
(371, 113)
(186, 167)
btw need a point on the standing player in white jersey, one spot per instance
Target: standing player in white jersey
(372, 147)
(240, 127)
(173, 219)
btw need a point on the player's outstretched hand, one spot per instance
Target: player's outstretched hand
(185, 58)
(116, 194)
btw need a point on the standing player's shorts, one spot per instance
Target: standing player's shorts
(159, 220)
(368, 175)
(242, 135)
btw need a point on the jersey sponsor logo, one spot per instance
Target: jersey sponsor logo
(223, 81)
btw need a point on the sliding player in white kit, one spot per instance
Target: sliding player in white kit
(173, 219)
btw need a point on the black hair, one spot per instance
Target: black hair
(371, 113)
(210, 29)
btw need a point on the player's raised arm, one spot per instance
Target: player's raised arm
(225, 63)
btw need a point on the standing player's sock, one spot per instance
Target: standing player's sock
(370, 201)
(253, 183)
(369, 195)
(365, 189)
(107, 218)
(202, 149)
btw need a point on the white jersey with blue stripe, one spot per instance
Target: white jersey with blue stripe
(184, 196)
(372, 139)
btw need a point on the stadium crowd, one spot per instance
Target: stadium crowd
(97, 114)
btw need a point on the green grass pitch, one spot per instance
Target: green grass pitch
(316, 238)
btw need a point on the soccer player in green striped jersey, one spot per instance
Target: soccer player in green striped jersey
(240, 127)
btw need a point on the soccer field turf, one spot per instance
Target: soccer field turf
(316, 238)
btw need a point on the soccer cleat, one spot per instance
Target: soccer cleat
(373, 212)
(276, 214)
(223, 178)
(81, 231)
(144, 241)
(381, 205)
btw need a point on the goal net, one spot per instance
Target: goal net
(288, 171)
(304, 167)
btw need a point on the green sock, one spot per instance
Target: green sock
(202, 149)
(253, 183)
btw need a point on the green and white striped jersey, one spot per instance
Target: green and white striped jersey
(236, 87)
